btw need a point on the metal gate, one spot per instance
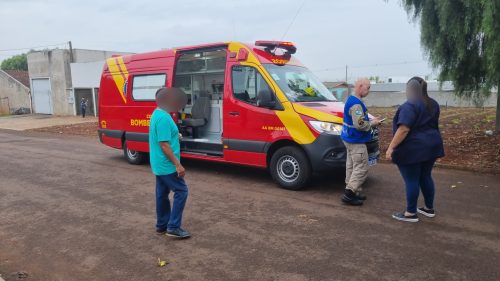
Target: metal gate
(42, 96)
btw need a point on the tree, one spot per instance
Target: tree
(375, 79)
(462, 39)
(17, 62)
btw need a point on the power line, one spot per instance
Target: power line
(372, 65)
(35, 47)
(293, 20)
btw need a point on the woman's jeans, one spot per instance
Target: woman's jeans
(418, 177)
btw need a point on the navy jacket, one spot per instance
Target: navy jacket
(423, 142)
(350, 132)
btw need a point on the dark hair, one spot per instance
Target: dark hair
(425, 96)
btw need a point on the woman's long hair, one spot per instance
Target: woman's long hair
(425, 96)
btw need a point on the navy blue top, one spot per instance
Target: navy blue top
(423, 142)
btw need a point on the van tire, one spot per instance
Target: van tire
(134, 157)
(290, 168)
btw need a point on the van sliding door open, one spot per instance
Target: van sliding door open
(200, 74)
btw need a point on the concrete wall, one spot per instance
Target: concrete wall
(393, 94)
(86, 79)
(388, 99)
(54, 64)
(86, 74)
(82, 55)
(13, 94)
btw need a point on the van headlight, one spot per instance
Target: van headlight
(326, 127)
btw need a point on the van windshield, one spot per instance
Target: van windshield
(299, 84)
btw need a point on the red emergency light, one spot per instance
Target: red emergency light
(272, 45)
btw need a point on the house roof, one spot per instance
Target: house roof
(20, 75)
(340, 84)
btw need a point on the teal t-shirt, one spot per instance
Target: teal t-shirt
(162, 128)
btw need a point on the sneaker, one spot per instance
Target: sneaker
(161, 231)
(402, 217)
(361, 196)
(179, 233)
(350, 198)
(427, 212)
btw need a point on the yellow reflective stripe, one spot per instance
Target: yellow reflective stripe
(123, 67)
(117, 75)
(320, 115)
(295, 126)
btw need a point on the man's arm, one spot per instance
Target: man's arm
(358, 119)
(167, 150)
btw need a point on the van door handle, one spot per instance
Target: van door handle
(234, 113)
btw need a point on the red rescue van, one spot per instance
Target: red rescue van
(253, 105)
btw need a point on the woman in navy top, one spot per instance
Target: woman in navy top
(416, 145)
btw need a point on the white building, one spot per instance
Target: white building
(60, 78)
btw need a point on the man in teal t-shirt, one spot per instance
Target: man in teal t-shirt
(164, 153)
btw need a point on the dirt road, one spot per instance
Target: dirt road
(72, 209)
(36, 121)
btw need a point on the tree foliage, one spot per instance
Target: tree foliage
(462, 39)
(17, 62)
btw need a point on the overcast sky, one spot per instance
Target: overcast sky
(328, 34)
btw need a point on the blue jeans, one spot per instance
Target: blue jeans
(418, 177)
(167, 218)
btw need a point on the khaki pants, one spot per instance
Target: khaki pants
(356, 166)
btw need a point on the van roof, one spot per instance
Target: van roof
(164, 53)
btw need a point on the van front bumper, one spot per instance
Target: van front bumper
(328, 152)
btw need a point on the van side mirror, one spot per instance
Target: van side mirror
(266, 99)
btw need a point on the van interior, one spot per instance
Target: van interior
(200, 74)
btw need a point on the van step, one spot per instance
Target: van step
(203, 152)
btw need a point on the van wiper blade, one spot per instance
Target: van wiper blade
(306, 99)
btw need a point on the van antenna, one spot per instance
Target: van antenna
(293, 19)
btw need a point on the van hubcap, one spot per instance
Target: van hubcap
(288, 168)
(132, 154)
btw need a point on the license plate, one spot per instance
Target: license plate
(372, 161)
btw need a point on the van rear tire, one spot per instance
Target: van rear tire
(134, 157)
(290, 168)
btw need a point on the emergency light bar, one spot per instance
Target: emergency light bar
(271, 45)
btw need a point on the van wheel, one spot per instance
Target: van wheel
(134, 157)
(290, 168)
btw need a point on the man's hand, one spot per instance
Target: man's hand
(181, 172)
(388, 153)
(375, 122)
(180, 136)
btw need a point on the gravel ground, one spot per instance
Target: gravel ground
(34, 121)
(463, 129)
(73, 209)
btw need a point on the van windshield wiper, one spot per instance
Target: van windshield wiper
(309, 98)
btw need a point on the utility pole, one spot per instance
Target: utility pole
(346, 73)
(70, 51)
